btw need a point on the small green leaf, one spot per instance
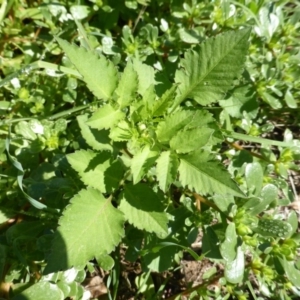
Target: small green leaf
(127, 86)
(254, 177)
(41, 291)
(142, 162)
(293, 221)
(234, 270)
(105, 117)
(143, 209)
(166, 169)
(200, 172)
(25, 131)
(121, 132)
(90, 226)
(99, 74)
(190, 140)
(229, 246)
(273, 228)
(269, 193)
(106, 262)
(291, 272)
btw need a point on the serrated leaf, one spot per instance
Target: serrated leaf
(166, 169)
(200, 118)
(41, 291)
(94, 169)
(90, 226)
(145, 75)
(142, 162)
(205, 175)
(234, 270)
(208, 73)
(162, 104)
(229, 246)
(189, 140)
(105, 117)
(174, 122)
(97, 139)
(243, 99)
(121, 132)
(127, 86)
(143, 209)
(98, 73)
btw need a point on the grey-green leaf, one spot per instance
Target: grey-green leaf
(229, 246)
(234, 270)
(41, 291)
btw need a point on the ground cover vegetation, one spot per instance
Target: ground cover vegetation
(149, 149)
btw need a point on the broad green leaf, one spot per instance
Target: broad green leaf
(190, 140)
(144, 209)
(229, 246)
(173, 123)
(206, 176)
(41, 291)
(166, 169)
(105, 117)
(96, 169)
(145, 75)
(97, 139)
(162, 104)
(127, 87)
(234, 270)
(142, 162)
(254, 177)
(98, 73)
(208, 73)
(90, 226)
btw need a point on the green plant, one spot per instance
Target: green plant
(140, 167)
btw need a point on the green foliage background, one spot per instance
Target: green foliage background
(128, 126)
